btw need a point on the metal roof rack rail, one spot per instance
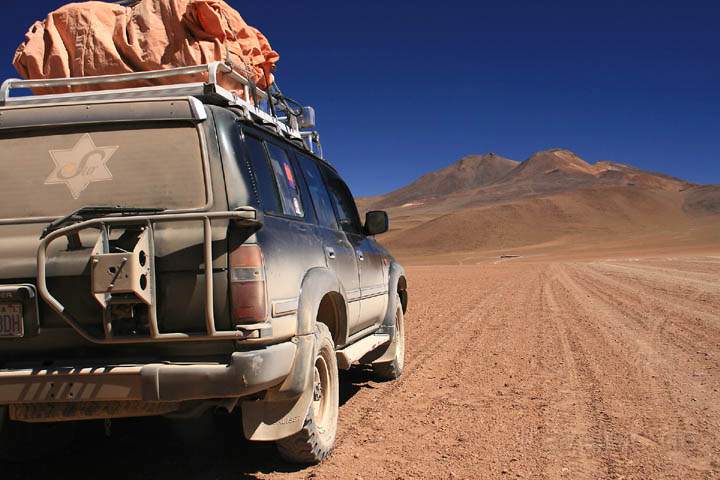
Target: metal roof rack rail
(256, 104)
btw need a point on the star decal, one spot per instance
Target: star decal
(81, 165)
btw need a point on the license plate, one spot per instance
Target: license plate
(11, 320)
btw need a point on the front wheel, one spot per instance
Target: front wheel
(314, 442)
(393, 369)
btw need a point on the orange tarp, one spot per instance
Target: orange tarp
(99, 38)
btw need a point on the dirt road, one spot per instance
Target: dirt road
(516, 369)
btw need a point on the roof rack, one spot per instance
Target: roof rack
(255, 105)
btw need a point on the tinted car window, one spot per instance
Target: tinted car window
(318, 192)
(342, 200)
(286, 181)
(264, 181)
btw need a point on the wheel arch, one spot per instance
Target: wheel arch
(323, 299)
(402, 291)
(397, 284)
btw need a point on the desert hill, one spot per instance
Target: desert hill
(469, 172)
(554, 200)
(703, 200)
(561, 170)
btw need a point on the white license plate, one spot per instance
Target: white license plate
(11, 320)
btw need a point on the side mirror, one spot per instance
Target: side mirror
(376, 222)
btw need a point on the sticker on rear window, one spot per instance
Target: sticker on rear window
(81, 165)
(289, 175)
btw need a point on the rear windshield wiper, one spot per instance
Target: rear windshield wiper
(96, 211)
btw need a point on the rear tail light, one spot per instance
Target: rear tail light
(247, 285)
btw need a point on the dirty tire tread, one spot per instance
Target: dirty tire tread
(306, 446)
(303, 447)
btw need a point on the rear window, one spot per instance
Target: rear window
(51, 174)
(286, 181)
(265, 182)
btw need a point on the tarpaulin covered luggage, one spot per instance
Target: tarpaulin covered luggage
(99, 38)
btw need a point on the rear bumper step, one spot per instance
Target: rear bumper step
(246, 373)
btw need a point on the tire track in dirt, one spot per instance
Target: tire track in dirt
(701, 300)
(681, 325)
(690, 376)
(705, 264)
(509, 385)
(705, 290)
(601, 429)
(634, 377)
(675, 275)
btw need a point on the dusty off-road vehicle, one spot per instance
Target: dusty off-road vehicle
(171, 250)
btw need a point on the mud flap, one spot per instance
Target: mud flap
(282, 411)
(386, 353)
(266, 420)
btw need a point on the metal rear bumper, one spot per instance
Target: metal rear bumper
(246, 373)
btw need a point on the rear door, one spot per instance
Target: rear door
(373, 288)
(52, 170)
(339, 252)
(288, 239)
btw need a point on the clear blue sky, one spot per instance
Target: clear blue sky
(404, 88)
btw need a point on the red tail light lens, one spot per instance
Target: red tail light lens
(247, 285)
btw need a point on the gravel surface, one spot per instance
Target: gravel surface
(515, 369)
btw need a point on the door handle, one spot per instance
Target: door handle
(360, 255)
(330, 252)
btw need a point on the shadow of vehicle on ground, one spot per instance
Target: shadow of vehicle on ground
(211, 447)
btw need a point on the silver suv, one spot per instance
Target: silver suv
(166, 251)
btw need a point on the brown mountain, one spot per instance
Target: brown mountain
(468, 173)
(554, 166)
(554, 199)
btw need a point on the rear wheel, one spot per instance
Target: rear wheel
(316, 440)
(393, 369)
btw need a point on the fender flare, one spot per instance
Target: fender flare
(317, 283)
(397, 282)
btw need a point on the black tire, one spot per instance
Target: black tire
(392, 370)
(316, 440)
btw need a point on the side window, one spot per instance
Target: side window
(265, 183)
(343, 202)
(286, 181)
(318, 192)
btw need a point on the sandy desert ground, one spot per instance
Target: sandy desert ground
(524, 368)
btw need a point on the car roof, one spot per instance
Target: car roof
(246, 102)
